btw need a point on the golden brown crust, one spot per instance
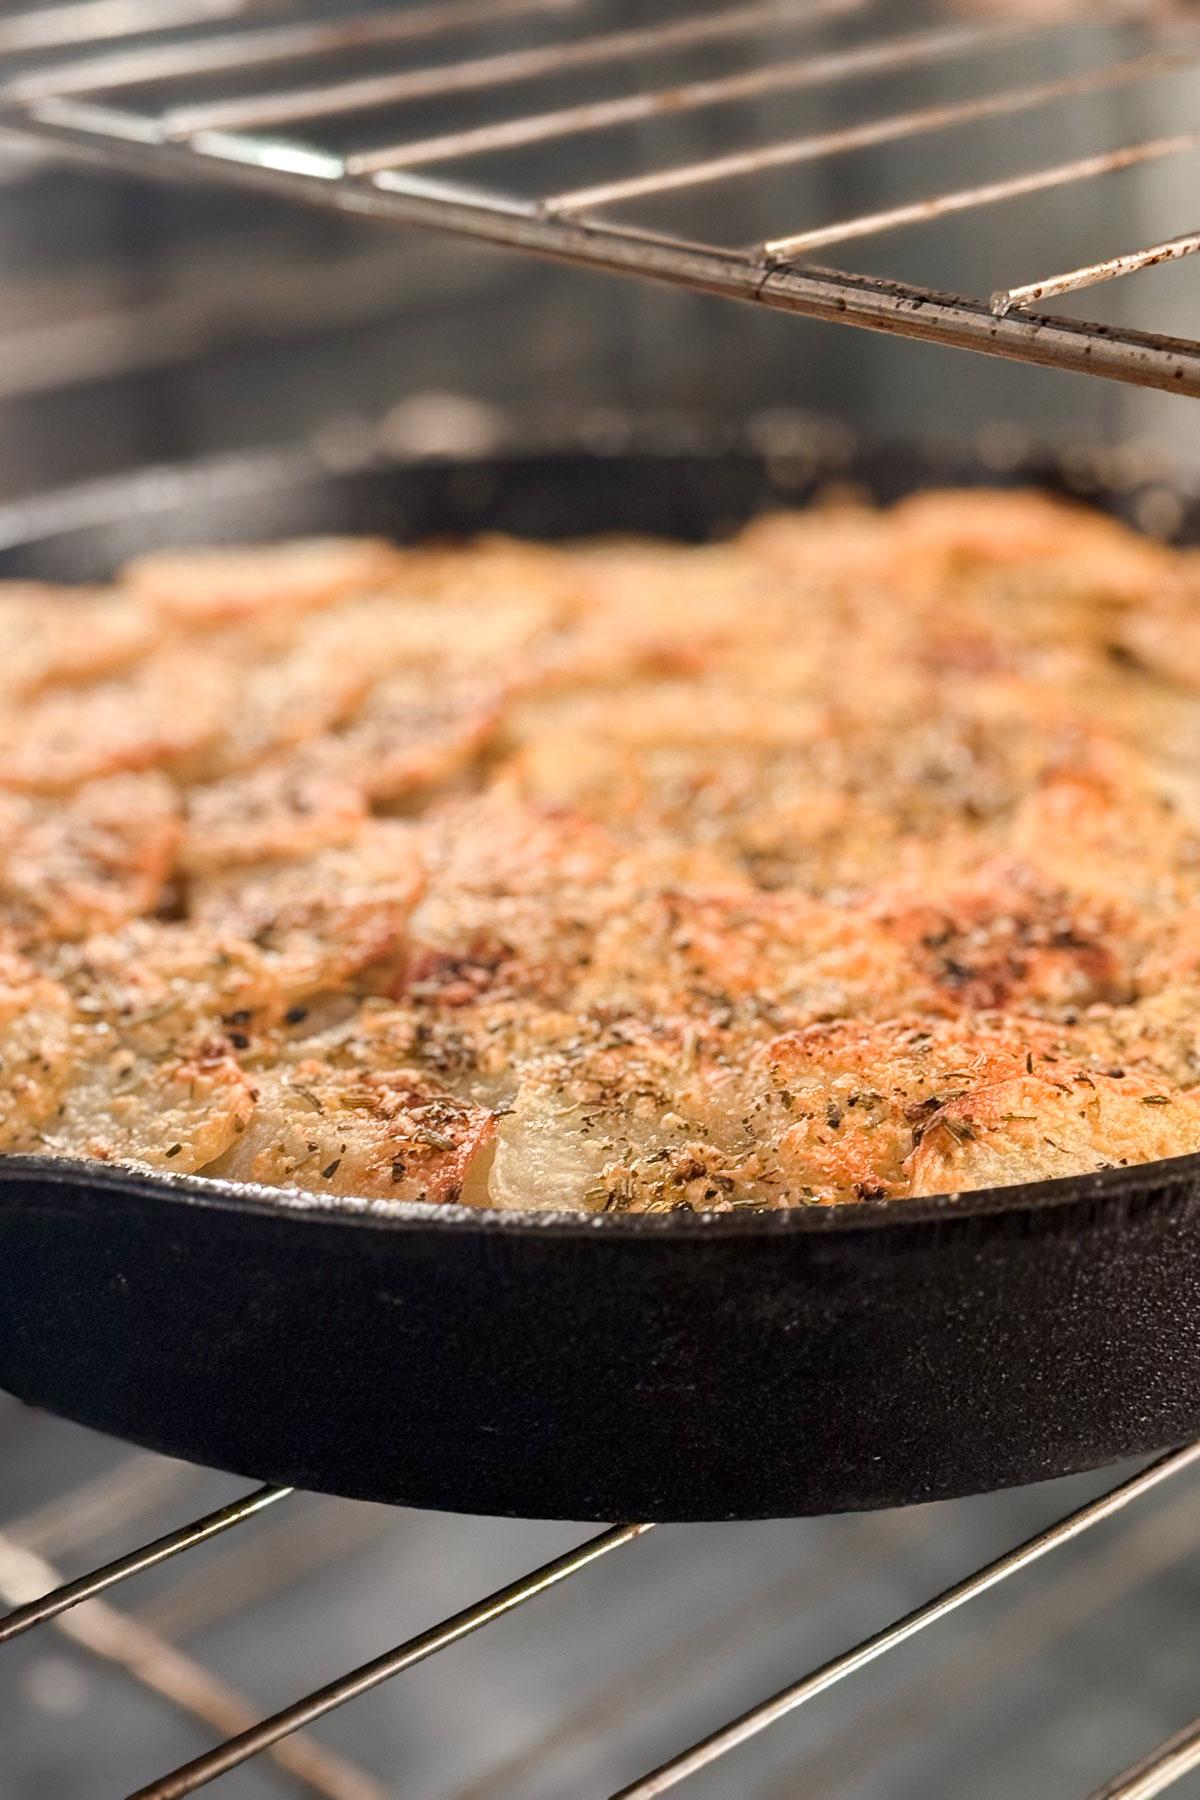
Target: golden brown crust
(855, 858)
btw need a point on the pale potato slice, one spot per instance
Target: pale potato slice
(742, 963)
(1081, 549)
(155, 984)
(35, 1051)
(210, 586)
(51, 635)
(415, 732)
(281, 811)
(177, 1110)
(154, 1078)
(323, 922)
(475, 1050)
(89, 861)
(624, 1119)
(104, 1065)
(172, 707)
(1029, 1129)
(391, 1135)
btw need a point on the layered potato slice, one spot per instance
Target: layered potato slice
(657, 608)
(1165, 637)
(169, 709)
(35, 1051)
(1006, 939)
(157, 982)
(741, 962)
(391, 1135)
(1029, 1130)
(1051, 557)
(87, 861)
(288, 700)
(415, 733)
(202, 586)
(490, 608)
(153, 1077)
(620, 1116)
(177, 1112)
(1118, 824)
(663, 1120)
(915, 1107)
(323, 922)
(51, 636)
(287, 808)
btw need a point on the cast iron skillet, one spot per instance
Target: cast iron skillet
(674, 1367)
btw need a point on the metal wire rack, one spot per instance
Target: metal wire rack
(143, 1647)
(427, 114)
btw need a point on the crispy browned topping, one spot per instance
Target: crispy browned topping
(856, 858)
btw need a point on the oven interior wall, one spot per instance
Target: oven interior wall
(141, 322)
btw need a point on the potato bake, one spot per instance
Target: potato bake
(854, 858)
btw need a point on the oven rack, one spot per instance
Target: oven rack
(263, 92)
(30, 1585)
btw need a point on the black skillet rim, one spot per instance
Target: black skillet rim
(806, 437)
(1111, 1189)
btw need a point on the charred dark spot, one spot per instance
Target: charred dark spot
(869, 1190)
